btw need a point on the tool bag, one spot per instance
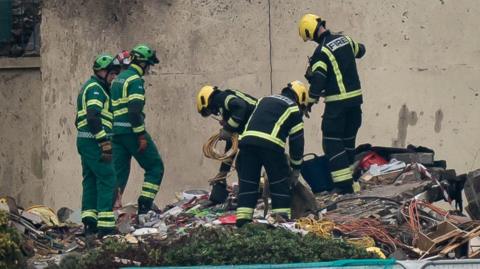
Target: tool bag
(316, 172)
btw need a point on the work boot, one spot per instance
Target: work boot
(90, 227)
(345, 187)
(241, 222)
(105, 231)
(144, 205)
(219, 192)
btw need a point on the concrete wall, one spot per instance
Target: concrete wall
(20, 138)
(419, 74)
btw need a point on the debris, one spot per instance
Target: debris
(46, 214)
(145, 231)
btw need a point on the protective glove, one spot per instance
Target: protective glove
(142, 143)
(294, 175)
(225, 135)
(308, 109)
(106, 148)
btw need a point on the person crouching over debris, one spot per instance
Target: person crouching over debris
(130, 137)
(262, 143)
(235, 108)
(94, 125)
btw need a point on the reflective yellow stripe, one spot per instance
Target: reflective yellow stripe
(120, 112)
(336, 70)
(341, 178)
(354, 45)
(139, 129)
(342, 172)
(282, 210)
(94, 102)
(255, 109)
(296, 128)
(244, 213)
(138, 68)
(233, 123)
(230, 97)
(148, 185)
(136, 96)
(125, 85)
(245, 98)
(282, 119)
(148, 194)
(339, 97)
(100, 134)
(351, 45)
(119, 101)
(265, 136)
(320, 64)
(81, 124)
(296, 162)
(106, 224)
(89, 214)
(342, 175)
(107, 123)
(107, 114)
(106, 214)
(83, 111)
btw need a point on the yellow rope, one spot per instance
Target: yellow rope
(319, 227)
(210, 151)
(364, 242)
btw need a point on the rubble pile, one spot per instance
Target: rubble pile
(400, 213)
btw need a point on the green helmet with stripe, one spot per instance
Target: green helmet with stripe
(103, 62)
(143, 53)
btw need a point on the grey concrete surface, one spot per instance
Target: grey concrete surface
(20, 139)
(420, 74)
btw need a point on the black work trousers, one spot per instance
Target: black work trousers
(249, 165)
(340, 127)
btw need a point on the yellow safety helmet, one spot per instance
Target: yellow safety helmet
(308, 25)
(203, 97)
(300, 91)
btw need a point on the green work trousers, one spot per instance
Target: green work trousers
(125, 146)
(98, 186)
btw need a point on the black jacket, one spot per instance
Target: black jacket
(332, 70)
(235, 108)
(274, 119)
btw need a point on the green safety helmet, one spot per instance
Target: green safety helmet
(103, 62)
(144, 53)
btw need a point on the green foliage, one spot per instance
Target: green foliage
(11, 256)
(257, 244)
(253, 244)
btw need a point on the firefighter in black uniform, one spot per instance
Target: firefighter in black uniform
(332, 74)
(235, 108)
(262, 143)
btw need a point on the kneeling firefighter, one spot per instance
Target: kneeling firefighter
(235, 108)
(262, 143)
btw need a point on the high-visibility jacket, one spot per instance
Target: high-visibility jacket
(235, 108)
(333, 72)
(274, 119)
(128, 91)
(94, 96)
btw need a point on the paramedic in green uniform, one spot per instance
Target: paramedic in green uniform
(94, 125)
(130, 138)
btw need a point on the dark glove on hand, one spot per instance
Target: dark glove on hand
(225, 135)
(142, 143)
(106, 147)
